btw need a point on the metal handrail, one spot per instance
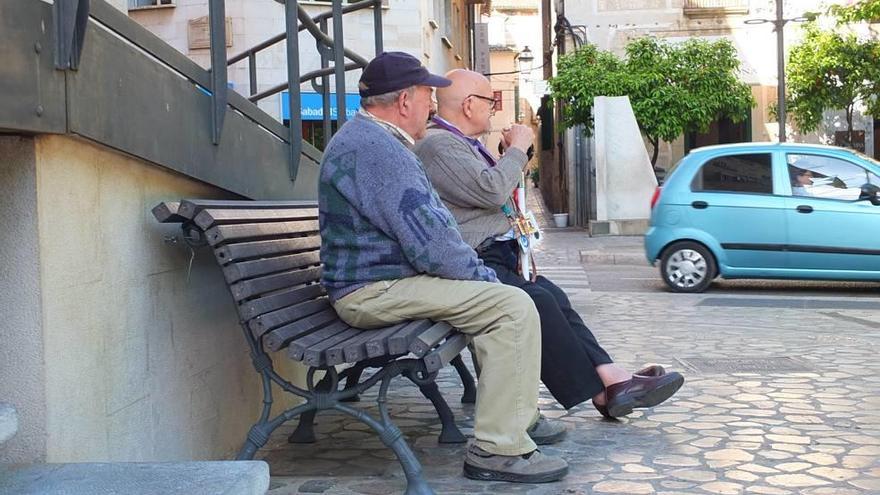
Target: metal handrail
(71, 18)
(280, 37)
(308, 76)
(296, 20)
(117, 22)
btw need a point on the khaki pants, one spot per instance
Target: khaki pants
(506, 330)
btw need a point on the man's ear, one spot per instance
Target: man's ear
(404, 103)
(466, 109)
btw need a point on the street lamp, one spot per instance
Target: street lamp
(779, 24)
(524, 59)
(526, 56)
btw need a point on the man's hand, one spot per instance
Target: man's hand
(518, 136)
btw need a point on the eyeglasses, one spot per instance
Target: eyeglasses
(485, 98)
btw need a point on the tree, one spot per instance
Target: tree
(865, 10)
(829, 70)
(673, 88)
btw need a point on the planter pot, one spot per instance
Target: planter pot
(560, 219)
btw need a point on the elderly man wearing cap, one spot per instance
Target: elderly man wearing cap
(391, 253)
(476, 187)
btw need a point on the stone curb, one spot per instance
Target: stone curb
(138, 478)
(605, 258)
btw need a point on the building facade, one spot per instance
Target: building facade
(611, 24)
(438, 33)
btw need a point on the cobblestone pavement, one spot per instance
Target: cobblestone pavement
(779, 399)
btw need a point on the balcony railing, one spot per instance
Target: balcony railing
(712, 8)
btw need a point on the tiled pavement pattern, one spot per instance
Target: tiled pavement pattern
(777, 401)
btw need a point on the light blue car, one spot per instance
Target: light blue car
(766, 210)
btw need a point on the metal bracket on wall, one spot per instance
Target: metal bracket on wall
(71, 19)
(219, 98)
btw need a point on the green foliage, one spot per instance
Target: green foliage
(831, 71)
(582, 75)
(865, 10)
(673, 88)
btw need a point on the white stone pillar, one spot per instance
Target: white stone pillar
(625, 179)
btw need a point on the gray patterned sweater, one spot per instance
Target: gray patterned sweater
(381, 219)
(471, 190)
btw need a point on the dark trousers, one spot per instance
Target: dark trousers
(569, 350)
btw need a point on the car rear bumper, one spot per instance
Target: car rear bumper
(653, 244)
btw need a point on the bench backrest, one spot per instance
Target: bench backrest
(271, 261)
(270, 256)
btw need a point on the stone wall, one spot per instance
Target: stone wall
(119, 346)
(21, 354)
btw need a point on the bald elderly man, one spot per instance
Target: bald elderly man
(475, 186)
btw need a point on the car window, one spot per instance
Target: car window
(751, 173)
(663, 177)
(827, 177)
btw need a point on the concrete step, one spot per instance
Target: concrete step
(135, 478)
(621, 257)
(618, 227)
(8, 422)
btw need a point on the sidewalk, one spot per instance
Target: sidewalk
(598, 250)
(778, 400)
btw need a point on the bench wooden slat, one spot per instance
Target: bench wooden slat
(247, 289)
(318, 355)
(378, 345)
(209, 217)
(430, 338)
(253, 308)
(399, 342)
(298, 347)
(445, 352)
(189, 208)
(166, 212)
(249, 269)
(261, 249)
(259, 231)
(266, 322)
(355, 349)
(280, 337)
(337, 351)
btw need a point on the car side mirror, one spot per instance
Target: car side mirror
(869, 192)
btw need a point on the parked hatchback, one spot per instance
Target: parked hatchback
(766, 210)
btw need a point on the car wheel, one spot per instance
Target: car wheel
(688, 267)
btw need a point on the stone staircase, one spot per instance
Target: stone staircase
(128, 478)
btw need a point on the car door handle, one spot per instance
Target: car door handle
(804, 209)
(700, 205)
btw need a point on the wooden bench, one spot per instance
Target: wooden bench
(269, 253)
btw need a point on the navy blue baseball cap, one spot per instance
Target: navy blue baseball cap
(393, 71)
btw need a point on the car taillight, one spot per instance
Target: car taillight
(655, 197)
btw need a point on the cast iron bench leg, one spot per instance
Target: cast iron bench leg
(305, 429)
(449, 432)
(469, 396)
(392, 437)
(351, 380)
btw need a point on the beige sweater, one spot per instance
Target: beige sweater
(472, 191)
